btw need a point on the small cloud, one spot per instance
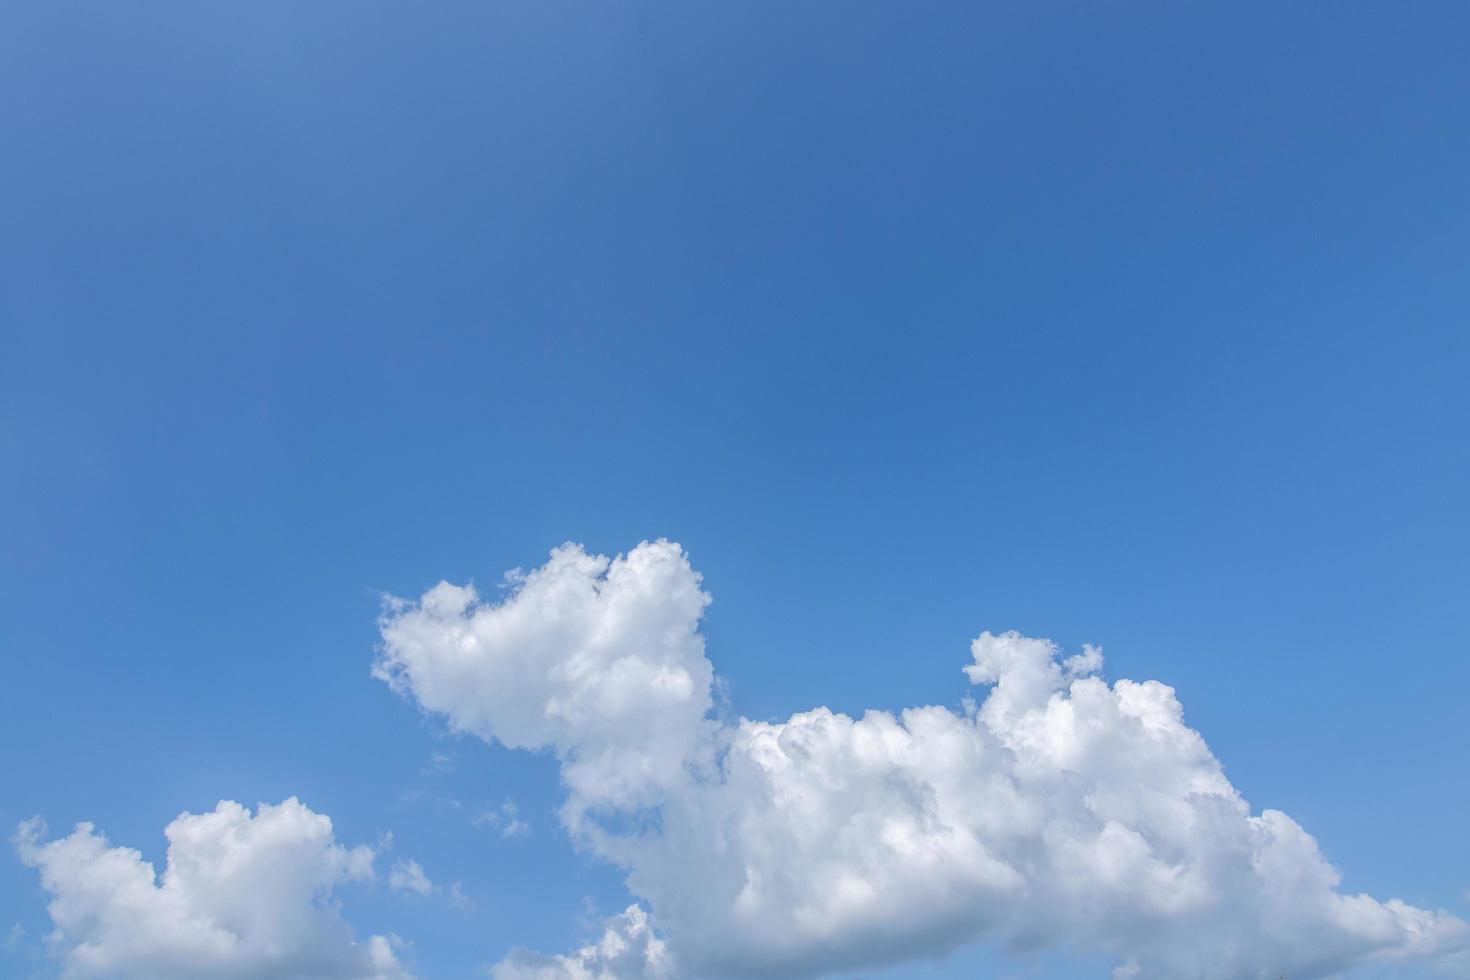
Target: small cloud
(421, 797)
(408, 876)
(504, 820)
(297, 920)
(438, 763)
(459, 899)
(628, 948)
(16, 934)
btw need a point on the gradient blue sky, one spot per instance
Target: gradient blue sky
(1143, 325)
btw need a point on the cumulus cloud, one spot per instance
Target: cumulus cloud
(242, 896)
(627, 950)
(600, 660)
(1060, 810)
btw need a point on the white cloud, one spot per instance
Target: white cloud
(1059, 811)
(408, 876)
(459, 899)
(599, 660)
(504, 820)
(242, 897)
(627, 950)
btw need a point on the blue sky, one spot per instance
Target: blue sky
(1142, 326)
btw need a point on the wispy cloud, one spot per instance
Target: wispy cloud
(438, 763)
(505, 820)
(459, 899)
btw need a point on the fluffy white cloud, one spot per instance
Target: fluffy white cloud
(243, 897)
(1060, 811)
(627, 950)
(408, 876)
(598, 660)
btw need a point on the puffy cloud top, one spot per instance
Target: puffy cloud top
(1063, 810)
(627, 950)
(600, 660)
(243, 897)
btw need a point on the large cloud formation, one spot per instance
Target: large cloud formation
(1059, 811)
(242, 896)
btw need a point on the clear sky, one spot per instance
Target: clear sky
(1140, 325)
